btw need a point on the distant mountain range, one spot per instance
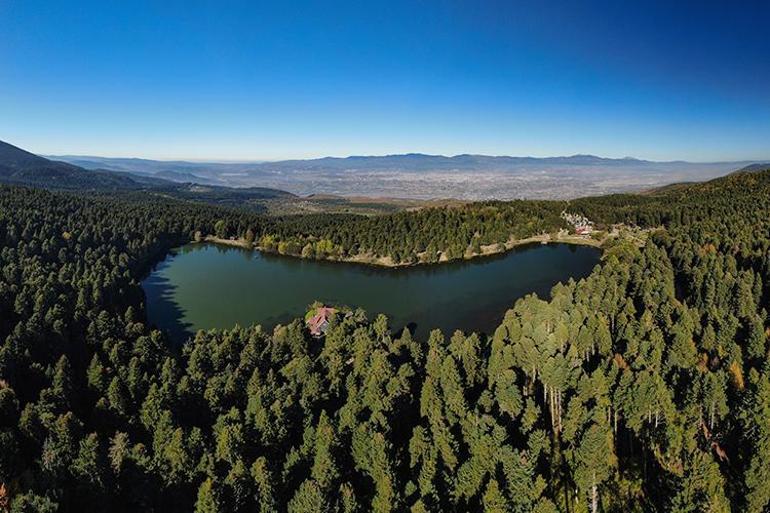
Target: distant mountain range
(177, 171)
(408, 162)
(423, 162)
(421, 176)
(412, 176)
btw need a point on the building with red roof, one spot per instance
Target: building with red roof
(320, 321)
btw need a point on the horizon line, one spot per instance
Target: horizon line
(216, 160)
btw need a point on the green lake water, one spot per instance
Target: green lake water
(203, 286)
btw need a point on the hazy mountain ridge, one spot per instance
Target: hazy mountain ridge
(404, 162)
(417, 161)
(421, 176)
(20, 167)
(754, 168)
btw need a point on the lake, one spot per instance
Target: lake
(203, 286)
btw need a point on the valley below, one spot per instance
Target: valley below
(425, 177)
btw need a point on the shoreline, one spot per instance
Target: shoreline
(386, 262)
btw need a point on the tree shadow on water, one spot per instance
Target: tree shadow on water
(411, 326)
(163, 310)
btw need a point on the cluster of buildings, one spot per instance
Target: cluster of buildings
(580, 223)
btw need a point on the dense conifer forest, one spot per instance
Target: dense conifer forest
(644, 387)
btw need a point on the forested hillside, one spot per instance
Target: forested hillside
(23, 168)
(20, 167)
(421, 236)
(645, 387)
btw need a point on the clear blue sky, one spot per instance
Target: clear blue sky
(270, 80)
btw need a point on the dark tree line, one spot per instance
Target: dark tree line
(644, 387)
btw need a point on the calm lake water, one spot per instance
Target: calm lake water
(203, 286)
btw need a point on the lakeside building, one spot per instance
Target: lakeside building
(581, 224)
(320, 321)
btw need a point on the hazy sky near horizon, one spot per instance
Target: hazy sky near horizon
(246, 80)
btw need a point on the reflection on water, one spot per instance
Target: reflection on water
(203, 286)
